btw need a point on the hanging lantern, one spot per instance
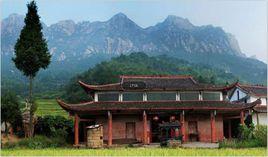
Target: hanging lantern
(172, 118)
(155, 118)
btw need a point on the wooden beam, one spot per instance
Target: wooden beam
(182, 120)
(212, 124)
(86, 120)
(232, 117)
(76, 130)
(144, 127)
(110, 129)
(242, 116)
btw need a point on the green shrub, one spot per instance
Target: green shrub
(54, 126)
(236, 143)
(9, 145)
(37, 142)
(260, 133)
(248, 137)
(245, 132)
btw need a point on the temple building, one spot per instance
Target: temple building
(133, 110)
(250, 93)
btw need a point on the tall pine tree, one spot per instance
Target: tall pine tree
(31, 52)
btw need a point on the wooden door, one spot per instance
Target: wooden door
(130, 130)
(192, 126)
(192, 131)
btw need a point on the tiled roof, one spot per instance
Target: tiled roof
(156, 105)
(254, 90)
(154, 83)
(162, 82)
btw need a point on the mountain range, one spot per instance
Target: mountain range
(77, 46)
(120, 35)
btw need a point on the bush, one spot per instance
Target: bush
(54, 126)
(248, 137)
(245, 132)
(236, 143)
(37, 142)
(10, 110)
(260, 133)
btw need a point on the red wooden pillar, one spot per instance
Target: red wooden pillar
(229, 129)
(242, 115)
(144, 127)
(110, 129)
(182, 126)
(213, 128)
(76, 129)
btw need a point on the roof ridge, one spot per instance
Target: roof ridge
(255, 86)
(156, 76)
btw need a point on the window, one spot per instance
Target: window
(189, 96)
(211, 95)
(237, 94)
(154, 96)
(108, 96)
(133, 96)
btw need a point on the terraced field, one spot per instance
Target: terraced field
(49, 107)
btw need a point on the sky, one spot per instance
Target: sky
(245, 19)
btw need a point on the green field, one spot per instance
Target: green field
(136, 152)
(49, 107)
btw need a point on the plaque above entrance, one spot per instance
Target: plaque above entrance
(133, 85)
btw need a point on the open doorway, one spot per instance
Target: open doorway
(231, 128)
(193, 131)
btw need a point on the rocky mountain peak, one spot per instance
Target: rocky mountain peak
(179, 22)
(120, 20)
(65, 23)
(121, 35)
(12, 23)
(66, 26)
(119, 16)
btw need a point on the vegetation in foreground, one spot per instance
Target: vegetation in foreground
(136, 152)
(249, 137)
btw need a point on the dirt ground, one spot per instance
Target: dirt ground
(8, 138)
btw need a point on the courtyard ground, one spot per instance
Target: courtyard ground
(135, 152)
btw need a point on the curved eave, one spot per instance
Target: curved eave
(91, 88)
(260, 109)
(160, 105)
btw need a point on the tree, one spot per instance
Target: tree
(31, 52)
(10, 110)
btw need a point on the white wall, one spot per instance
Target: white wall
(262, 118)
(263, 100)
(234, 96)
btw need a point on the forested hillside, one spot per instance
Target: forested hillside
(142, 64)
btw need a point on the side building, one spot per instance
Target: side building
(248, 94)
(132, 110)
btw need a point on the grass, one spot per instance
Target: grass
(236, 143)
(135, 152)
(49, 107)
